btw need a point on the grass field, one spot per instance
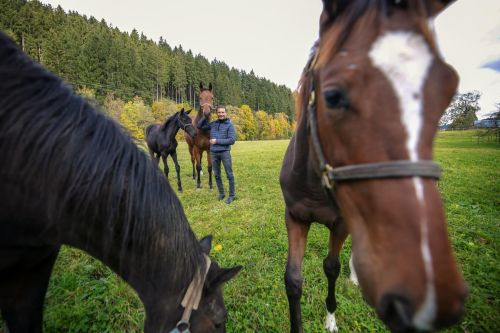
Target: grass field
(84, 296)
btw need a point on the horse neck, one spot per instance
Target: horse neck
(303, 151)
(198, 117)
(131, 220)
(157, 263)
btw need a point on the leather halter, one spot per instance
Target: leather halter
(192, 299)
(207, 104)
(377, 170)
(186, 125)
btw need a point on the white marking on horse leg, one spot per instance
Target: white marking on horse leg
(330, 322)
(405, 59)
(353, 276)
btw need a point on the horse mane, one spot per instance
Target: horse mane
(347, 14)
(169, 120)
(87, 173)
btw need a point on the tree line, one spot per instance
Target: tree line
(93, 54)
(135, 114)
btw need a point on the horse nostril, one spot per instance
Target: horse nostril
(396, 312)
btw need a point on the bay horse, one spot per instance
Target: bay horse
(360, 163)
(161, 142)
(69, 175)
(201, 141)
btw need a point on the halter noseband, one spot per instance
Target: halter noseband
(192, 299)
(377, 170)
(207, 104)
(184, 125)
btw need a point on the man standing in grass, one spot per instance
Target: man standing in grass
(222, 136)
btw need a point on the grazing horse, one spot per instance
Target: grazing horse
(69, 175)
(360, 163)
(161, 140)
(201, 141)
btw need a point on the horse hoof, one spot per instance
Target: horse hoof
(330, 323)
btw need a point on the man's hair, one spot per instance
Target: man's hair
(220, 106)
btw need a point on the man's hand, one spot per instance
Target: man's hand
(213, 141)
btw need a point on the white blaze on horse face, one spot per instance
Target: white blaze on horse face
(404, 58)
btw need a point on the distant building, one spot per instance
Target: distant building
(487, 123)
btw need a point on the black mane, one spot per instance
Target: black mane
(85, 172)
(170, 119)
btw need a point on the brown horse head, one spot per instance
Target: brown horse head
(206, 99)
(380, 88)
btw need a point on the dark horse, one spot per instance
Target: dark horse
(201, 142)
(161, 140)
(69, 175)
(360, 163)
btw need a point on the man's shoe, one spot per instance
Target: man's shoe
(220, 197)
(229, 200)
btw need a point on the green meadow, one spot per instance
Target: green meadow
(85, 296)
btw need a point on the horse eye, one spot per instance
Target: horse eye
(336, 99)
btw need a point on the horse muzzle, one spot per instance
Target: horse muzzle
(398, 313)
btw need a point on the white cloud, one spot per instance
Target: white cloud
(469, 36)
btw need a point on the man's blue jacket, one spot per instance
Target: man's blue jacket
(221, 130)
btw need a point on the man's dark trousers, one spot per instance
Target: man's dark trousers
(225, 158)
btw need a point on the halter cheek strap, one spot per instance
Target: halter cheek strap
(191, 299)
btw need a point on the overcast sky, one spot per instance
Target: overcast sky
(273, 37)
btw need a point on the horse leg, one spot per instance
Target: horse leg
(23, 283)
(198, 155)
(331, 267)
(209, 163)
(297, 239)
(193, 160)
(165, 165)
(177, 170)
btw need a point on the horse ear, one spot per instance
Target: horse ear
(331, 9)
(210, 86)
(206, 244)
(182, 110)
(224, 275)
(187, 112)
(201, 86)
(437, 6)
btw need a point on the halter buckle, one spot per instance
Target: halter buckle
(179, 327)
(312, 98)
(326, 179)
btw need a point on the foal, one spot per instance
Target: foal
(161, 140)
(360, 163)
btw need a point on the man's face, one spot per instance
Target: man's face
(221, 113)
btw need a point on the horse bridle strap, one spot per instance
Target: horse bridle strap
(377, 170)
(192, 299)
(207, 104)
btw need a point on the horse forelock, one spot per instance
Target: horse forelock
(369, 14)
(90, 174)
